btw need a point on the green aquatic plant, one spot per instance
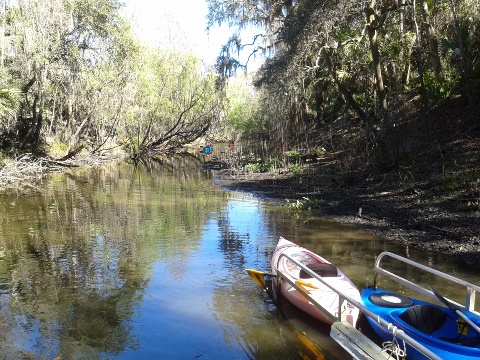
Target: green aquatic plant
(295, 205)
(295, 169)
(305, 204)
(253, 167)
(311, 203)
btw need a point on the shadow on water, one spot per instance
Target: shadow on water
(148, 261)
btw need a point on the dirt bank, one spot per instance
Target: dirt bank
(420, 202)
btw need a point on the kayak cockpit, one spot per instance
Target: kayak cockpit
(424, 318)
(321, 269)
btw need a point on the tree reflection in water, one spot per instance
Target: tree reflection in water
(76, 253)
(148, 261)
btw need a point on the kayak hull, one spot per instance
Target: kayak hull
(437, 328)
(326, 297)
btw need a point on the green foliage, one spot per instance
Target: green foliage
(295, 169)
(58, 149)
(454, 181)
(71, 59)
(405, 177)
(436, 91)
(94, 81)
(319, 151)
(304, 204)
(293, 156)
(9, 98)
(244, 117)
(311, 203)
(336, 204)
(253, 167)
(296, 205)
(262, 166)
(175, 101)
(272, 163)
(332, 68)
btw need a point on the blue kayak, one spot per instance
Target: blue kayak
(438, 328)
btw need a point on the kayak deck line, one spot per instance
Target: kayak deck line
(302, 289)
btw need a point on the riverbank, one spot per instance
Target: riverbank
(430, 200)
(419, 203)
(27, 169)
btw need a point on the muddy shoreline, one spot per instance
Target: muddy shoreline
(375, 206)
(408, 212)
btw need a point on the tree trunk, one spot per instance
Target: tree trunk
(372, 36)
(341, 88)
(38, 123)
(32, 126)
(4, 21)
(472, 96)
(432, 44)
(423, 90)
(75, 139)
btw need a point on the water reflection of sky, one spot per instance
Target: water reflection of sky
(152, 266)
(179, 316)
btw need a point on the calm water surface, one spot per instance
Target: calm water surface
(148, 262)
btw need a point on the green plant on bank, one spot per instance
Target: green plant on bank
(319, 151)
(406, 177)
(297, 205)
(311, 203)
(295, 169)
(262, 166)
(293, 155)
(271, 163)
(335, 204)
(253, 167)
(436, 91)
(58, 148)
(305, 204)
(457, 180)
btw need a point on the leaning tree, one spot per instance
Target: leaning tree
(175, 101)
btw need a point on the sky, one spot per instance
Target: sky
(175, 22)
(178, 22)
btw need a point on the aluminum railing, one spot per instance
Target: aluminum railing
(470, 289)
(341, 297)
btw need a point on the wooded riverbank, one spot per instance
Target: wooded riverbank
(428, 201)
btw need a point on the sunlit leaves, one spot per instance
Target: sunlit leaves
(9, 100)
(244, 115)
(175, 101)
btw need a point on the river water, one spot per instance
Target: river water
(148, 262)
